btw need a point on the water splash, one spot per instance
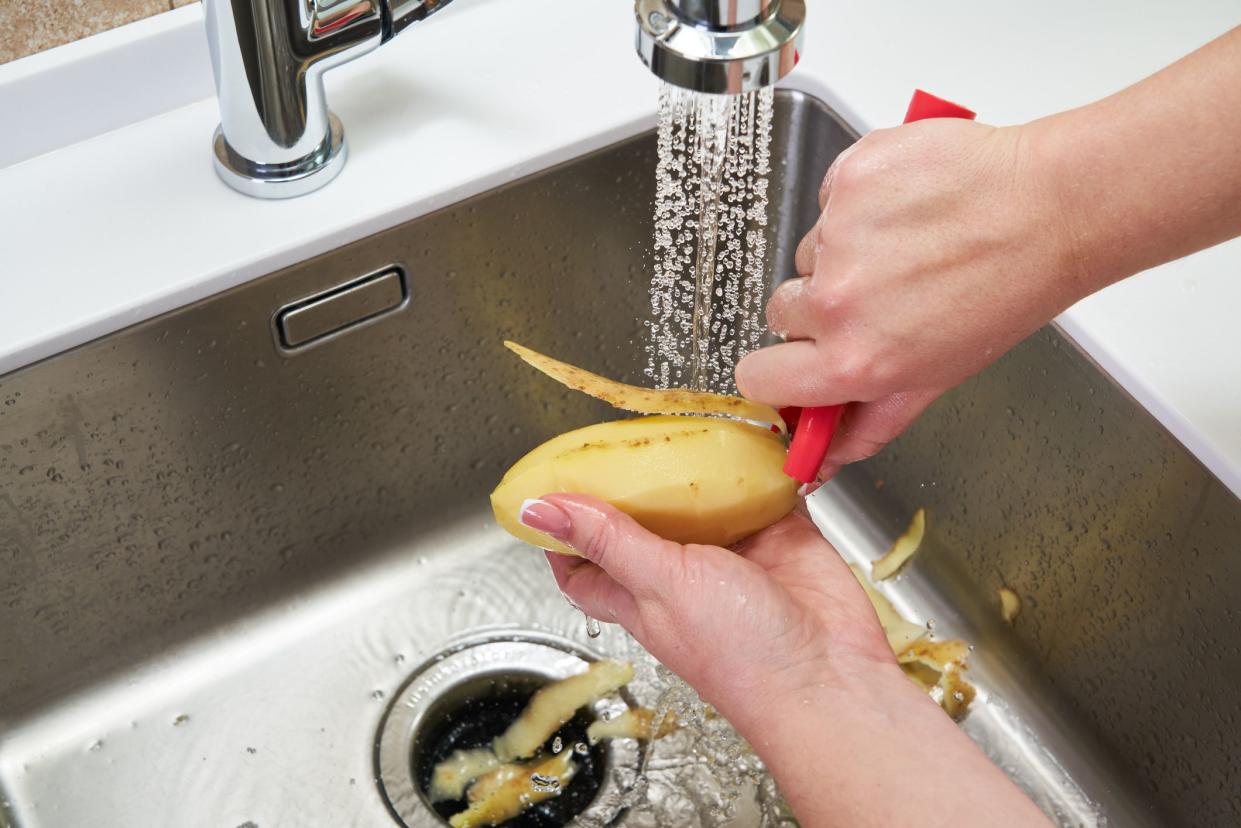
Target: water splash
(710, 236)
(704, 775)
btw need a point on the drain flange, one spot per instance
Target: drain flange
(477, 687)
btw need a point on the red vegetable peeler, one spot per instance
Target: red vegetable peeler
(813, 428)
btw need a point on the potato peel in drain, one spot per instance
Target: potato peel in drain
(498, 788)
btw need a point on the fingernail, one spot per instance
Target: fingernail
(542, 516)
(807, 489)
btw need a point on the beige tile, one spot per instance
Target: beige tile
(29, 26)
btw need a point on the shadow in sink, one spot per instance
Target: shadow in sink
(221, 561)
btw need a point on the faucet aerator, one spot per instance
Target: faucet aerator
(720, 46)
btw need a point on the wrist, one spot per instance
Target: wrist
(778, 706)
(833, 745)
(854, 748)
(824, 672)
(1070, 213)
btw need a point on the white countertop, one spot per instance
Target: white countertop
(130, 221)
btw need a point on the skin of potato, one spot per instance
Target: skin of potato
(689, 479)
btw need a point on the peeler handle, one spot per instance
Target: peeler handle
(813, 428)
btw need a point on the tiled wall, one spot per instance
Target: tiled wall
(29, 26)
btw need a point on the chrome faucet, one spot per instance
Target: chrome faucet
(278, 139)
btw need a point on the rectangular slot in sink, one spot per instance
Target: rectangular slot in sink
(220, 562)
(344, 307)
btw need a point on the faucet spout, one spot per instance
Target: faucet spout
(720, 46)
(276, 137)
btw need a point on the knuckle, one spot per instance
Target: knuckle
(820, 236)
(846, 172)
(854, 369)
(806, 255)
(826, 300)
(598, 541)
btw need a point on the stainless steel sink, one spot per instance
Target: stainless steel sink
(224, 556)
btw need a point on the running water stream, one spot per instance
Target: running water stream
(706, 312)
(710, 236)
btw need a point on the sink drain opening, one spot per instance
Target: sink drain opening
(473, 713)
(468, 695)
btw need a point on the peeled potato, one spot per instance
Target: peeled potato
(689, 479)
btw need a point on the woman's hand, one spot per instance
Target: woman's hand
(945, 242)
(940, 246)
(781, 639)
(781, 615)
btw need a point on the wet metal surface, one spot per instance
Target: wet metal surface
(220, 561)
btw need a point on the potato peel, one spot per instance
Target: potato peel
(641, 400)
(635, 723)
(509, 789)
(900, 632)
(905, 547)
(1010, 604)
(935, 665)
(451, 776)
(555, 704)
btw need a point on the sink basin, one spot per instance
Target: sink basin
(225, 557)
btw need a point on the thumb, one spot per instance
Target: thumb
(635, 558)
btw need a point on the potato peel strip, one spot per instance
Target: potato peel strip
(641, 400)
(905, 547)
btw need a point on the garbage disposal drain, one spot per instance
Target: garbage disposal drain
(464, 698)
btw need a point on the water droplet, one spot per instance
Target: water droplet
(543, 784)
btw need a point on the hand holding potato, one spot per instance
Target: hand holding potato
(784, 604)
(779, 636)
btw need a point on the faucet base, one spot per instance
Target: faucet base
(293, 178)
